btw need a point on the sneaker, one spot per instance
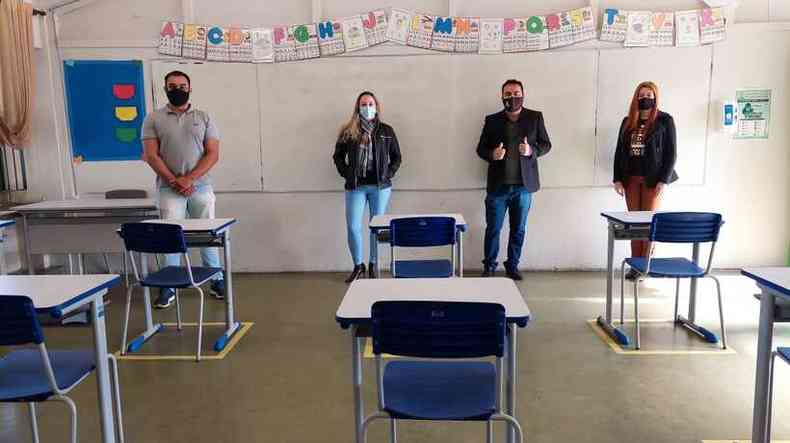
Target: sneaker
(631, 275)
(166, 298)
(217, 289)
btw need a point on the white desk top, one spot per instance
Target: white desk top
(57, 294)
(87, 204)
(630, 217)
(356, 304)
(775, 278)
(212, 225)
(383, 221)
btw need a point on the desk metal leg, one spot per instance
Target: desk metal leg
(150, 328)
(760, 412)
(103, 385)
(31, 268)
(511, 381)
(605, 321)
(460, 253)
(689, 323)
(356, 364)
(230, 323)
(374, 240)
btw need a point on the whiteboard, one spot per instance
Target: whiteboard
(683, 77)
(435, 103)
(228, 93)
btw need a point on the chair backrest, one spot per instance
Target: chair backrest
(685, 227)
(154, 238)
(126, 193)
(18, 322)
(422, 231)
(429, 329)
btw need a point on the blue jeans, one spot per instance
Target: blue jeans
(516, 200)
(378, 199)
(198, 205)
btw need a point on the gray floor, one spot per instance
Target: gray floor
(289, 378)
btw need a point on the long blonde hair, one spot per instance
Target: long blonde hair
(633, 110)
(351, 130)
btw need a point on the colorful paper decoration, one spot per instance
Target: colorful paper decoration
(375, 26)
(240, 45)
(126, 113)
(262, 45)
(711, 25)
(125, 135)
(560, 29)
(662, 29)
(466, 31)
(398, 26)
(614, 26)
(330, 38)
(305, 41)
(123, 91)
(194, 42)
(171, 38)
(582, 24)
(284, 45)
(638, 32)
(687, 28)
(491, 36)
(443, 38)
(354, 34)
(421, 30)
(217, 48)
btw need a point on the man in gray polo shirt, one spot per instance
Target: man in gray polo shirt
(181, 144)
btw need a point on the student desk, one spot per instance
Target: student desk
(81, 226)
(199, 233)
(58, 295)
(354, 313)
(635, 225)
(774, 282)
(381, 223)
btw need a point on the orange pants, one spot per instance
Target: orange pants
(640, 197)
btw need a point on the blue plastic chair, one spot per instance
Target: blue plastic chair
(676, 227)
(164, 238)
(439, 389)
(413, 232)
(38, 375)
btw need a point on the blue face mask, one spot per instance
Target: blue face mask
(367, 112)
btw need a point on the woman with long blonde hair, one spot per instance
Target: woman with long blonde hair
(367, 156)
(644, 162)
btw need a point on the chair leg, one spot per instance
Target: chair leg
(721, 313)
(125, 269)
(116, 381)
(513, 422)
(178, 310)
(107, 263)
(770, 397)
(393, 431)
(489, 431)
(622, 292)
(129, 290)
(677, 298)
(636, 314)
(73, 409)
(33, 421)
(200, 325)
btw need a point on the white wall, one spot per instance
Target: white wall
(745, 180)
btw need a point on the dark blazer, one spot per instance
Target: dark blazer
(531, 126)
(347, 157)
(660, 152)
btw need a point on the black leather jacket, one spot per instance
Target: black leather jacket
(385, 143)
(660, 150)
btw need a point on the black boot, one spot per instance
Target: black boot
(372, 273)
(359, 271)
(488, 272)
(514, 274)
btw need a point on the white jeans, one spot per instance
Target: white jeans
(198, 205)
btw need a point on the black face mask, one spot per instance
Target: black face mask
(177, 97)
(513, 104)
(646, 103)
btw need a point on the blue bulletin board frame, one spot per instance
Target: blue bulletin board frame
(105, 102)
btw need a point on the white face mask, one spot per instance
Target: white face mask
(367, 112)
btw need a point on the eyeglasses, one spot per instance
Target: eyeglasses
(511, 94)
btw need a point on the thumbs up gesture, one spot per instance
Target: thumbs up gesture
(499, 152)
(524, 148)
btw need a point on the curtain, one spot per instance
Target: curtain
(16, 72)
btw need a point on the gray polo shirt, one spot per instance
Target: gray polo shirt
(181, 137)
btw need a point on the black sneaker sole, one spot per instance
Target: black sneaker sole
(165, 306)
(216, 294)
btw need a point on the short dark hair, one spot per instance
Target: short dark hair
(513, 81)
(177, 74)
